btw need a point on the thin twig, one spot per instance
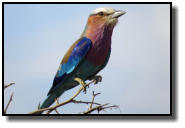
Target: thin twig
(84, 102)
(8, 85)
(57, 111)
(92, 102)
(113, 106)
(95, 108)
(10, 100)
(100, 108)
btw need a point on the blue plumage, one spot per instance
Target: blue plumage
(78, 53)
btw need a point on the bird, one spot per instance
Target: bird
(88, 55)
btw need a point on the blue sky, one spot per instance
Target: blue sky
(137, 77)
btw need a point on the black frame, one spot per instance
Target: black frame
(172, 113)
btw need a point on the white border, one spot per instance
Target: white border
(177, 123)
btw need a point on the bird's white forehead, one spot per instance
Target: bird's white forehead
(103, 9)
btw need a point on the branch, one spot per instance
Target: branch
(57, 111)
(8, 85)
(92, 102)
(10, 100)
(84, 102)
(63, 103)
(100, 108)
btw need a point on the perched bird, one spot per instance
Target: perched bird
(88, 55)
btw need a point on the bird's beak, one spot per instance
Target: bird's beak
(117, 14)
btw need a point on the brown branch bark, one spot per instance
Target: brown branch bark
(10, 100)
(100, 108)
(92, 102)
(84, 102)
(57, 111)
(8, 85)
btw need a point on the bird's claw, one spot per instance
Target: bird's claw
(81, 82)
(97, 79)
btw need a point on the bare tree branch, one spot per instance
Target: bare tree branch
(57, 111)
(84, 102)
(63, 103)
(92, 102)
(10, 100)
(98, 108)
(8, 85)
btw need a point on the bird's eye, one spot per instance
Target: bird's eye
(101, 13)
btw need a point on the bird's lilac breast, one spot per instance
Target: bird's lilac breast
(99, 52)
(100, 35)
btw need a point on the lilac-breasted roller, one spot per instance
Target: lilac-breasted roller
(88, 55)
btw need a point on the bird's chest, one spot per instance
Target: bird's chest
(99, 52)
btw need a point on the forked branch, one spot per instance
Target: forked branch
(99, 107)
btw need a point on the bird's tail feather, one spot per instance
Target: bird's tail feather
(48, 101)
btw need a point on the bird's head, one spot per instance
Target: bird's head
(104, 17)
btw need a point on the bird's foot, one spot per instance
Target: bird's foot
(80, 81)
(97, 79)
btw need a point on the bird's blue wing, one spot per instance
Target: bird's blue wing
(72, 58)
